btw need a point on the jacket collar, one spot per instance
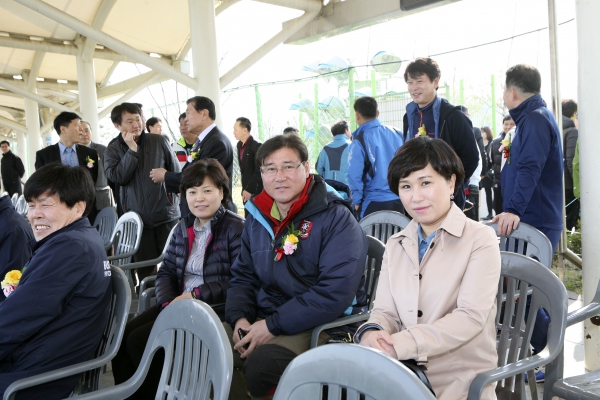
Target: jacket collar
(532, 103)
(369, 124)
(190, 218)
(454, 224)
(80, 223)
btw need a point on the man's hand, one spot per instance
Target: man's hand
(158, 175)
(256, 335)
(129, 138)
(187, 295)
(379, 340)
(246, 196)
(506, 222)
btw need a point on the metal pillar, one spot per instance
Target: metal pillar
(588, 87)
(462, 93)
(32, 120)
(494, 127)
(204, 52)
(316, 148)
(351, 98)
(259, 121)
(88, 96)
(22, 152)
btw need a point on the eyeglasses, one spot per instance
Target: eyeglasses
(286, 169)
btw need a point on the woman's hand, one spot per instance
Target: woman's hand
(187, 295)
(379, 340)
(256, 334)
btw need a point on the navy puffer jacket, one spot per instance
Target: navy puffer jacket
(221, 251)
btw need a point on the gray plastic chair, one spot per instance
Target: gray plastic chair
(528, 241)
(349, 368)
(383, 224)
(372, 269)
(22, 207)
(14, 199)
(522, 275)
(198, 356)
(126, 238)
(107, 349)
(105, 223)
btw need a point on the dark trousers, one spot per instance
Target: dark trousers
(572, 210)
(129, 356)
(497, 199)
(488, 201)
(392, 205)
(473, 197)
(152, 245)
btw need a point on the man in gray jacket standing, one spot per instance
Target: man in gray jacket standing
(128, 162)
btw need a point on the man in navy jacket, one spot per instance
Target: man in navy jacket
(532, 176)
(56, 315)
(300, 265)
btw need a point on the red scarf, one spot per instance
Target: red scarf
(264, 203)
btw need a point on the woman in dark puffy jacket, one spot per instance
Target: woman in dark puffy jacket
(197, 265)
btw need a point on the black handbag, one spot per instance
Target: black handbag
(419, 371)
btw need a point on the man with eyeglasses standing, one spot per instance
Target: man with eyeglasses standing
(300, 265)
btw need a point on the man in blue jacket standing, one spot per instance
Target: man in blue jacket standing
(300, 265)
(371, 151)
(333, 158)
(532, 176)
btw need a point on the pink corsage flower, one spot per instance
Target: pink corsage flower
(8, 289)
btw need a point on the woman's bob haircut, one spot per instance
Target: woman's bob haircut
(417, 153)
(195, 174)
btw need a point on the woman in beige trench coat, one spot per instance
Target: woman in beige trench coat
(436, 293)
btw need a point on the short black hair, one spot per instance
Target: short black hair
(422, 66)
(421, 151)
(203, 103)
(64, 119)
(5, 142)
(290, 129)
(245, 123)
(195, 174)
(280, 142)
(151, 122)
(116, 114)
(506, 118)
(339, 128)
(525, 78)
(569, 108)
(71, 184)
(366, 106)
(182, 116)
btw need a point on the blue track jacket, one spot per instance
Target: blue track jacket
(532, 182)
(331, 164)
(57, 314)
(368, 165)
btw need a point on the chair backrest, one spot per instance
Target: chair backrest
(522, 276)
(105, 223)
(383, 224)
(14, 199)
(127, 236)
(328, 371)
(198, 356)
(113, 332)
(528, 241)
(373, 268)
(22, 207)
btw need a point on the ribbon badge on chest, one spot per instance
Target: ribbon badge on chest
(305, 228)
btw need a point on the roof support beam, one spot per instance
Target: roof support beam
(124, 86)
(304, 5)
(12, 125)
(31, 96)
(103, 11)
(109, 73)
(289, 28)
(149, 80)
(49, 47)
(109, 41)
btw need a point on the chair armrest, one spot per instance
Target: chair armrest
(350, 319)
(139, 264)
(121, 256)
(54, 375)
(497, 374)
(147, 282)
(586, 312)
(144, 301)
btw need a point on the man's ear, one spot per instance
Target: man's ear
(436, 83)
(118, 127)
(80, 208)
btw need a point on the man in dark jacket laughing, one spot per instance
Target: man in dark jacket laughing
(300, 265)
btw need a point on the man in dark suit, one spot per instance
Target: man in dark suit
(67, 151)
(246, 152)
(211, 143)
